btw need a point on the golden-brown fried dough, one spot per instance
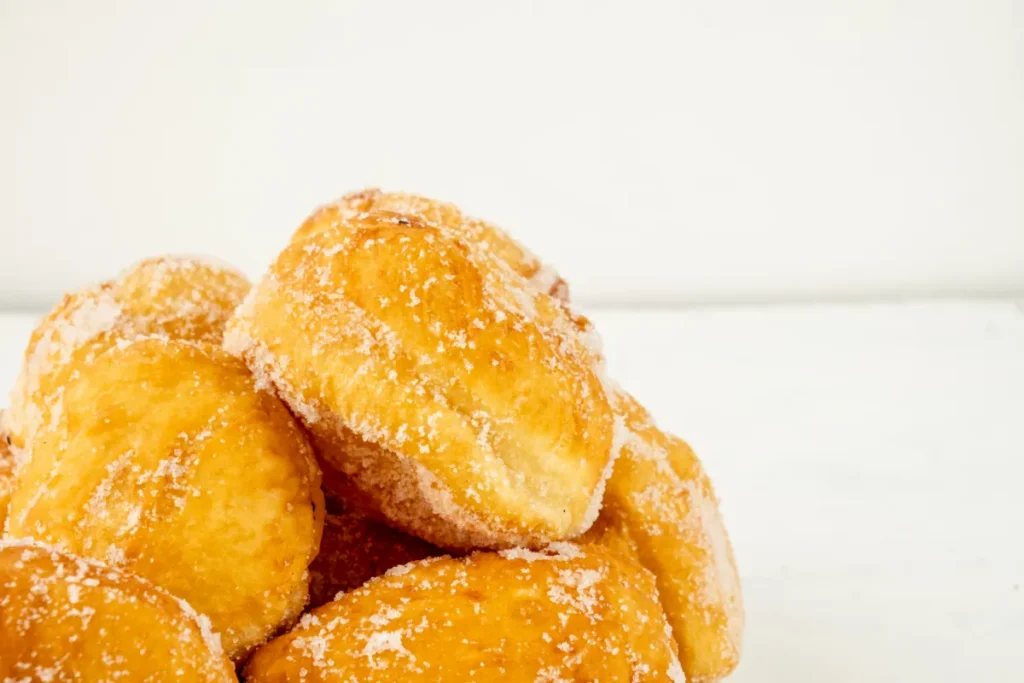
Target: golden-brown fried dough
(6, 474)
(483, 235)
(165, 459)
(659, 507)
(456, 400)
(63, 618)
(180, 297)
(446, 216)
(354, 549)
(561, 615)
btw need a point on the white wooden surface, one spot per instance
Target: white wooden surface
(870, 460)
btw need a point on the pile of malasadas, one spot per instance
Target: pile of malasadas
(395, 458)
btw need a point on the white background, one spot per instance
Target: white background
(654, 151)
(868, 455)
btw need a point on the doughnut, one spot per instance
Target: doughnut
(63, 618)
(455, 400)
(181, 297)
(559, 614)
(660, 508)
(445, 216)
(354, 549)
(164, 459)
(6, 474)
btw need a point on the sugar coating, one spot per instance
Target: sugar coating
(661, 508)
(541, 276)
(168, 462)
(66, 618)
(559, 551)
(597, 497)
(661, 511)
(556, 614)
(182, 297)
(458, 400)
(77, 320)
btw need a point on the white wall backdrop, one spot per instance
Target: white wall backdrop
(655, 151)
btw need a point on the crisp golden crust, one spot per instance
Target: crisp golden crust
(355, 549)
(459, 402)
(446, 216)
(6, 474)
(181, 297)
(165, 459)
(660, 507)
(560, 615)
(63, 618)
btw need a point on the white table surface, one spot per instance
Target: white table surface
(870, 459)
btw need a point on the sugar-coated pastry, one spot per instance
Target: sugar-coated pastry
(354, 549)
(454, 399)
(66, 619)
(481, 234)
(562, 614)
(165, 459)
(660, 507)
(6, 474)
(181, 297)
(446, 216)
